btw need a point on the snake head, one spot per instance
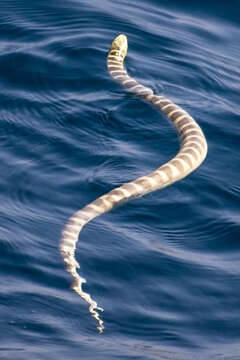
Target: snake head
(120, 46)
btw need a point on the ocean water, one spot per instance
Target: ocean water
(165, 267)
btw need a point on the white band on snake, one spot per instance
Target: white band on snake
(193, 150)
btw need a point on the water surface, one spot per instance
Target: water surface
(164, 267)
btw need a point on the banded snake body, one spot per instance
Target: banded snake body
(193, 150)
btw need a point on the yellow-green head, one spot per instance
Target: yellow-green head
(120, 46)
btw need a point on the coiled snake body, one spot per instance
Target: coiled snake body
(193, 149)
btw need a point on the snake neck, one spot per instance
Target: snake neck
(115, 64)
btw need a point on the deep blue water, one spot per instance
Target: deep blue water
(164, 267)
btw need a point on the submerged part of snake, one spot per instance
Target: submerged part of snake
(193, 149)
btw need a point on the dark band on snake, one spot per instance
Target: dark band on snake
(193, 150)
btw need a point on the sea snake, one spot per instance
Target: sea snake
(193, 150)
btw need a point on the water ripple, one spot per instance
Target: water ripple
(165, 266)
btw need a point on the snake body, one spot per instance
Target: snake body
(193, 150)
